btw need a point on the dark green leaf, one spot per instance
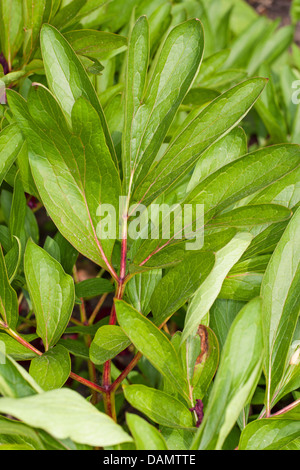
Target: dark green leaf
(15, 382)
(269, 434)
(108, 342)
(140, 288)
(146, 437)
(52, 369)
(179, 284)
(11, 141)
(209, 125)
(160, 407)
(209, 290)
(58, 57)
(244, 176)
(280, 293)
(77, 198)
(165, 91)
(93, 287)
(11, 28)
(100, 45)
(249, 216)
(236, 379)
(152, 343)
(9, 308)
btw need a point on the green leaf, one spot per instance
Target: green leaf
(280, 293)
(68, 254)
(9, 308)
(212, 123)
(15, 382)
(160, 407)
(137, 66)
(11, 28)
(52, 248)
(266, 241)
(212, 64)
(18, 211)
(152, 343)
(256, 264)
(52, 369)
(269, 434)
(159, 254)
(87, 329)
(249, 216)
(108, 342)
(198, 97)
(110, 17)
(291, 378)
(231, 147)
(140, 287)
(209, 290)
(284, 191)
(11, 141)
(269, 110)
(200, 357)
(179, 284)
(293, 445)
(159, 22)
(15, 350)
(222, 314)
(243, 45)
(51, 292)
(77, 348)
(147, 127)
(5, 238)
(268, 51)
(65, 414)
(146, 436)
(88, 176)
(25, 172)
(241, 286)
(93, 287)
(34, 14)
(13, 259)
(203, 370)
(288, 80)
(236, 379)
(100, 45)
(73, 13)
(244, 176)
(178, 439)
(22, 446)
(67, 78)
(225, 79)
(19, 433)
(67, 14)
(295, 11)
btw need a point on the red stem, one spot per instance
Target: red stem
(74, 376)
(125, 372)
(286, 409)
(106, 377)
(87, 383)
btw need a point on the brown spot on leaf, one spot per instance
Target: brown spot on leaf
(202, 332)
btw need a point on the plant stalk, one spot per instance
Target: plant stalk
(109, 400)
(73, 376)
